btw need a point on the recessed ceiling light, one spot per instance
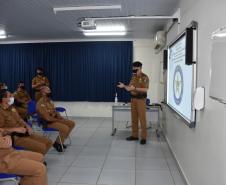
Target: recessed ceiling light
(79, 8)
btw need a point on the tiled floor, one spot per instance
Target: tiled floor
(96, 158)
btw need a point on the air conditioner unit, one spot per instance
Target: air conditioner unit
(160, 40)
(88, 24)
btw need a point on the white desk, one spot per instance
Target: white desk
(120, 108)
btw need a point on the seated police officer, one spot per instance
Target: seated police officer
(47, 112)
(21, 100)
(22, 133)
(28, 165)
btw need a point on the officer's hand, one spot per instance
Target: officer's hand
(8, 141)
(1, 132)
(30, 131)
(121, 85)
(130, 88)
(20, 130)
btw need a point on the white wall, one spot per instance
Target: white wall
(144, 52)
(201, 152)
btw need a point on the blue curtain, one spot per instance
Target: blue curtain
(80, 71)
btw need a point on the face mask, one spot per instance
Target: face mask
(135, 71)
(11, 101)
(40, 73)
(5, 87)
(49, 95)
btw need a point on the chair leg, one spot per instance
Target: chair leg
(61, 143)
(66, 114)
(69, 138)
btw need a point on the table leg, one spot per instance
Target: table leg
(113, 123)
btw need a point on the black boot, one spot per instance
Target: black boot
(58, 147)
(143, 141)
(64, 146)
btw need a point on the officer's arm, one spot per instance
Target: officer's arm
(47, 82)
(5, 142)
(2, 125)
(35, 84)
(45, 115)
(18, 98)
(145, 86)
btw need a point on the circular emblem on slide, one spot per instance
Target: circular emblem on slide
(178, 85)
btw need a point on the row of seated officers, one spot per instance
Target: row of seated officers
(14, 131)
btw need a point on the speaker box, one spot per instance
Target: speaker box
(189, 46)
(165, 59)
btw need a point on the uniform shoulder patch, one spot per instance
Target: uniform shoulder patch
(13, 110)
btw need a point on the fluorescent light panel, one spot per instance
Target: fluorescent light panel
(79, 8)
(3, 34)
(113, 30)
(220, 35)
(105, 33)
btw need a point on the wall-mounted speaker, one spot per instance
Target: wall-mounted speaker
(165, 59)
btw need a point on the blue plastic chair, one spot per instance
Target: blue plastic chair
(18, 148)
(148, 101)
(5, 177)
(61, 110)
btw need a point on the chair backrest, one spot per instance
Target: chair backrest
(31, 107)
(60, 109)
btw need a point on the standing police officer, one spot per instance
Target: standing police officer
(138, 88)
(39, 81)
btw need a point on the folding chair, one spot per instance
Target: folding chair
(63, 110)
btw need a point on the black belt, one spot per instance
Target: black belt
(141, 96)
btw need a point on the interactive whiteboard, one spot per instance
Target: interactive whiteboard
(181, 78)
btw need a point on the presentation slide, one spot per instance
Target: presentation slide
(179, 81)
